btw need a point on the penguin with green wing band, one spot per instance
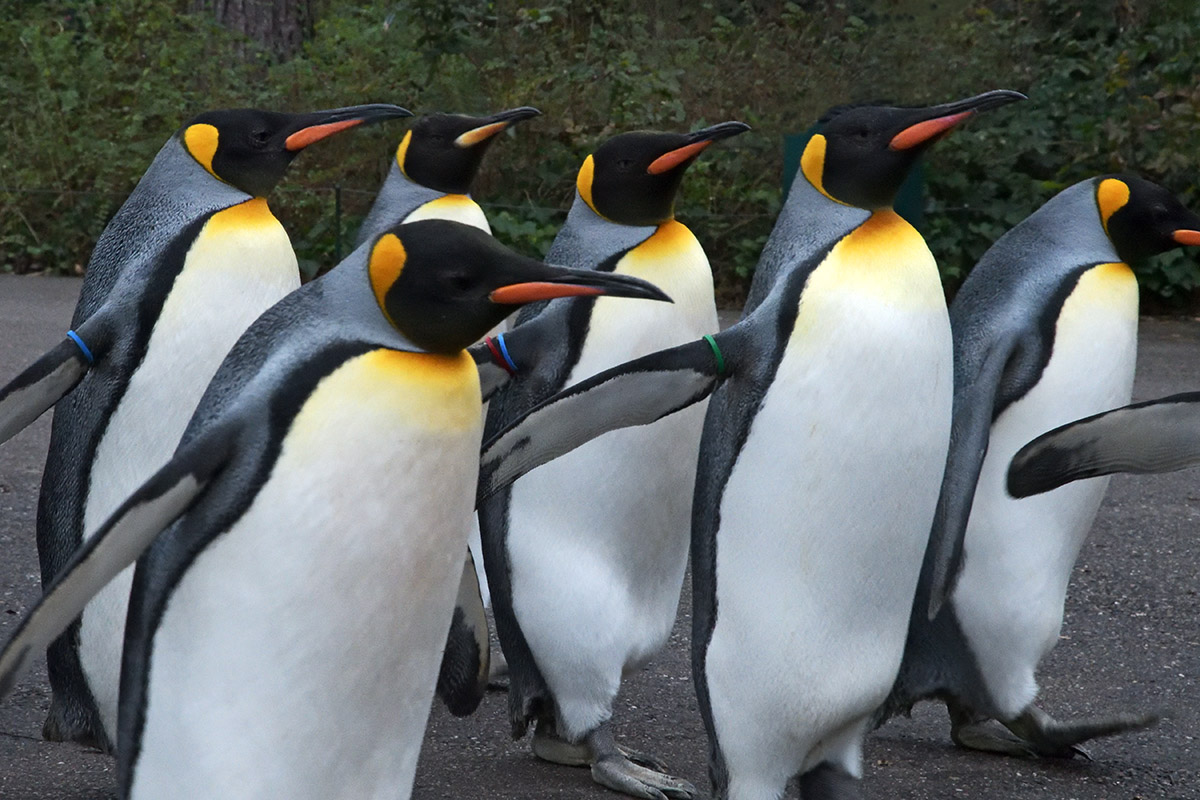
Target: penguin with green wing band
(189, 261)
(1033, 329)
(303, 546)
(1045, 331)
(826, 433)
(571, 634)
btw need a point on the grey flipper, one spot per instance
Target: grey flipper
(463, 677)
(974, 407)
(530, 347)
(117, 544)
(638, 392)
(42, 384)
(1156, 436)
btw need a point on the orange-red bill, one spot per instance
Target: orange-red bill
(477, 135)
(516, 293)
(1186, 237)
(315, 133)
(669, 161)
(922, 132)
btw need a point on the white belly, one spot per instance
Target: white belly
(598, 539)
(297, 656)
(1019, 553)
(824, 521)
(228, 280)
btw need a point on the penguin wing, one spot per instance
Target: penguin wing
(45, 381)
(463, 677)
(637, 392)
(519, 351)
(116, 545)
(974, 404)
(1157, 436)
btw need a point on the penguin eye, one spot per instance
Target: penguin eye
(624, 164)
(862, 134)
(260, 137)
(461, 282)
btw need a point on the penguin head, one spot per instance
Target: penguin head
(251, 149)
(633, 177)
(861, 155)
(444, 284)
(1143, 219)
(443, 151)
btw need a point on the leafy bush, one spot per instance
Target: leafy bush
(94, 88)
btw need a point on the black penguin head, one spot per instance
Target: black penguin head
(251, 149)
(861, 154)
(444, 284)
(1143, 219)
(632, 178)
(443, 151)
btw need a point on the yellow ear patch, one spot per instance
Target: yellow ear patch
(386, 264)
(402, 151)
(812, 164)
(1111, 197)
(584, 182)
(201, 141)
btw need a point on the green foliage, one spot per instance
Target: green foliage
(95, 87)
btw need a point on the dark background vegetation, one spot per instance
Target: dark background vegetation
(92, 88)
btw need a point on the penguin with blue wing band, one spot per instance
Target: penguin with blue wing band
(189, 261)
(313, 678)
(1045, 331)
(570, 635)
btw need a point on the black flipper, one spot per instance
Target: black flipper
(1157, 436)
(117, 544)
(501, 357)
(463, 677)
(974, 410)
(45, 381)
(637, 392)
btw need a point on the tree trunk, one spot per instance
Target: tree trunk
(279, 26)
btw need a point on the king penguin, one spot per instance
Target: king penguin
(433, 169)
(430, 178)
(189, 261)
(586, 556)
(822, 452)
(1045, 332)
(303, 545)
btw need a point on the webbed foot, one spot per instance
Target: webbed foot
(1034, 733)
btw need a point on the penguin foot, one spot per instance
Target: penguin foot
(1035, 734)
(1049, 738)
(549, 746)
(498, 673)
(63, 726)
(612, 768)
(827, 782)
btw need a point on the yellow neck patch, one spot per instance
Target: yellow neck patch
(812, 164)
(672, 237)
(402, 151)
(584, 182)
(244, 216)
(1111, 197)
(201, 141)
(386, 264)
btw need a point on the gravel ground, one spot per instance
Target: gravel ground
(1131, 641)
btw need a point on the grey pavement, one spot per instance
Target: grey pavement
(1131, 641)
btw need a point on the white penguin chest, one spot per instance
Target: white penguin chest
(825, 515)
(240, 264)
(319, 617)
